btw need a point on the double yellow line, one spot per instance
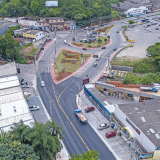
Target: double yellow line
(67, 116)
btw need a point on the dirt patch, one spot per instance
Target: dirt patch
(74, 56)
(70, 61)
(62, 75)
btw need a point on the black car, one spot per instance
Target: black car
(103, 47)
(114, 49)
(117, 32)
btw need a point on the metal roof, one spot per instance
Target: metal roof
(8, 69)
(146, 116)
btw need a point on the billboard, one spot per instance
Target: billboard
(85, 81)
(51, 3)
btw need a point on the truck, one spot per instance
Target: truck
(82, 118)
(149, 88)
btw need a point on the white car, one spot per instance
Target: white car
(34, 108)
(42, 84)
(103, 126)
(65, 41)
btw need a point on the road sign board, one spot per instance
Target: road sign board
(95, 56)
(85, 81)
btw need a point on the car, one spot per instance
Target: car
(97, 59)
(159, 24)
(148, 54)
(148, 25)
(84, 48)
(117, 32)
(69, 45)
(156, 28)
(110, 134)
(114, 49)
(103, 47)
(89, 109)
(103, 126)
(42, 84)
(125, 22)
(34, 108)
(95, 64)
(154, 23)
(65, 41)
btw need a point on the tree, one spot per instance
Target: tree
(73, 39)
(34, 7)
(90, 41)
(105, 40)
(108, 36)
(99, 41)
(16, 150)
(131, 21)
(89, 155)
(4, 136)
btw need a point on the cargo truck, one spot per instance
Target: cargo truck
(149, 88)
(82, 118)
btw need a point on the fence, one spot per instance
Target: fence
(122, 68)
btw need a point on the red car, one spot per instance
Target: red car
(110, 134)
(159, 24)
(89, 109)
(148, 25)
(84, 48)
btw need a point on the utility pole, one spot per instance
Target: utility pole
(74, 33)
(91, 24)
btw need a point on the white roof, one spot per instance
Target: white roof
(110, 108)
(89, 85)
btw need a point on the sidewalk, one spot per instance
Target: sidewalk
(117, 144)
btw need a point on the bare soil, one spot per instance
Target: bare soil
(62, 75)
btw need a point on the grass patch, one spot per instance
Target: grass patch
(69, 66)
(93, 44)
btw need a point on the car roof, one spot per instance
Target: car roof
(104, 124)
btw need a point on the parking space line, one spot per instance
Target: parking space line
(124, 155)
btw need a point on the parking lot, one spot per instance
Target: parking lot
(142, 38)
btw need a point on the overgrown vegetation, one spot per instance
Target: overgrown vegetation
(11, 29)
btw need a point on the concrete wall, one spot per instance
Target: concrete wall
(122, 68)
(27, 22)
(145, 142)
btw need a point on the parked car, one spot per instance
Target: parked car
(148, 25)
(154, 23)
(148, 54)
(84, 48)
(95, 64)
(103, 126)
(117, 31)
(103, 47)
(34, 108)
(110, 134)
(89, 109)
(114, 49)
(42, 84)
(65, 41)
(156, 28)
(159, 24)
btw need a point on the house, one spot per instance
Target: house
(33, 34)
(25, 22)
(70, 24)
(20, 40)
(19, 32)
(51, 23)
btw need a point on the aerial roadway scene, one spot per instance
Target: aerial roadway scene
(79, 80)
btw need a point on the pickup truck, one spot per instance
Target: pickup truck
(149, 88)
(82, 118)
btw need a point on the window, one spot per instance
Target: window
(14, 108)
(0, 113)
(60, 20)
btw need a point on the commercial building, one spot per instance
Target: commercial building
(70, 24)
(13, 105)
(33, 34)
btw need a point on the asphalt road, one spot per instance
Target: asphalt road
(80, 137)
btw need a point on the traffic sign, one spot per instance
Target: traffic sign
(85, 81)
(95, 56)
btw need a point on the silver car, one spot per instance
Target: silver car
(103, 126)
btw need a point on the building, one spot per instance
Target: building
(33, 34)
(4, 26)
(20, 40)
(19, 32)
(13, 19)
(51, 22)
(13, 105)
(25, 22)
(70, 24)
(137, 11)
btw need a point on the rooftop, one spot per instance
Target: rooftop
(146, 116)
(31, 31)
(19, 39)
(52, 18)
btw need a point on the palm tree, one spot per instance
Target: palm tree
(99, 41)
(20, 132)
(4, 136)
(105, 40)
(44, 143)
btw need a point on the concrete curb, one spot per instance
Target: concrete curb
(110, 41)
(54, 75)
(123, 35)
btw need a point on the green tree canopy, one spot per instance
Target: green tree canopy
(89, 155)
(16, 150)
(131, 21)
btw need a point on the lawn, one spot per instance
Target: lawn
(69, 61)
(93, 44)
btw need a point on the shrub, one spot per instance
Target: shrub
(73, 61)
(64, 53)
(70, 55)
(63, 69)
(81, 40)
(63, 60)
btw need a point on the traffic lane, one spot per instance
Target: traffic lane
(70, 136)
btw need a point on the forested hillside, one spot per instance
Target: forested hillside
(69, 9)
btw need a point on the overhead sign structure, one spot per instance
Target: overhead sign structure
(95, 56)
(51, 3)
(85, 81)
